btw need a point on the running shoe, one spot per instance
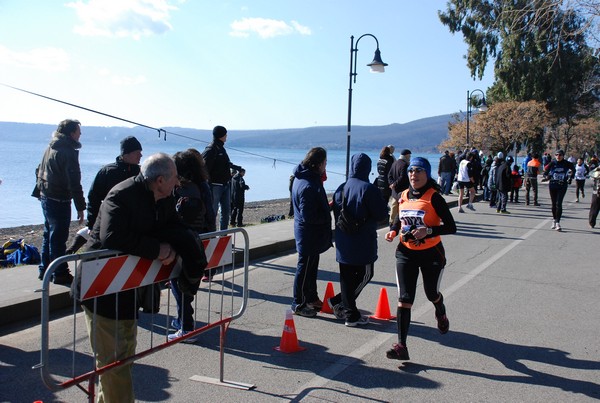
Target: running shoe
(176, 324)
(460, 210)
(397, 352)
(553, 225)
(443, 323)
(181, 333)
(362, 321)
(505, 212)
(338, 310)
(557, 226)
(306, 312)
(470, 207)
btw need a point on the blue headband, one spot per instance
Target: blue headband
(421, 163)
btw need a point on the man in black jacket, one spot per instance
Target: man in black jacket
(219, 173)
(58, 181)
(398, 180)
(137, 217)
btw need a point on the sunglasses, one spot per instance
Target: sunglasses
(416, 170)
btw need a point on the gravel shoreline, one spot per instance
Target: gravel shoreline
(254, 212)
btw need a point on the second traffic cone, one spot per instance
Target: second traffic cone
(289, 340)
(329, 293)
(383, 307)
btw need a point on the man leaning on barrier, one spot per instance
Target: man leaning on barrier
(137, 217)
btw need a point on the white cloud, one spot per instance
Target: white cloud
(47, 59)
(266, 28)
(122, 18)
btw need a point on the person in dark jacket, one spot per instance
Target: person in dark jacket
(194, 206)
(219, 172)
(398, 180)
(503, 184)
(125, 166)
(137, 217)
(238, 198)
(356, 253)
(560, 173)
(58, 181)
(384, 164)
(312, 229)
(446, 169)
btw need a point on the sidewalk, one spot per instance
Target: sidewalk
(19, 300)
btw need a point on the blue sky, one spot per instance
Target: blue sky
(261, 64)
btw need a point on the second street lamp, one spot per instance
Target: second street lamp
(377, 66)
(482, 107)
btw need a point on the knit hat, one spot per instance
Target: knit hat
(130, 144)
(406, 151)
(219, 132)
(421, 162)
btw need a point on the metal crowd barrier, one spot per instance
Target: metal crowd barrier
(107, 271)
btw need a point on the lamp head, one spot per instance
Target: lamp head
(377, 65)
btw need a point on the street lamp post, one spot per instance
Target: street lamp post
(377, 66)
(482, 107)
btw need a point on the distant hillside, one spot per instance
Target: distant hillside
(421, 135)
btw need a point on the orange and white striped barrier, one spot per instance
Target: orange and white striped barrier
(120, 273)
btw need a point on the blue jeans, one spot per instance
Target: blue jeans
(446, 182)
(57, 219)
(185, 311)
(305, 281)
(222, 196)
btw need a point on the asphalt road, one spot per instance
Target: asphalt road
(522, 300)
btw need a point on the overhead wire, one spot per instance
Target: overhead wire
(161, 132)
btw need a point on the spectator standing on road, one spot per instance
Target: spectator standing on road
(219, 172)
(466, 180)
(595, 206)
(531, 178)
(503, 184)
(238, 198)
(58, 181)
(485, 176)
(137, 217)
(398, 180)
(312, 229)
(581, 172)
(557, 172)
(356, 253)
(516, 183)
(423, 217)
(384, 164)
(446, 170)
(195, 209)
(494, 200)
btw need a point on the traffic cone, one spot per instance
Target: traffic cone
(289, 340)
(383, 307)
(329, 293)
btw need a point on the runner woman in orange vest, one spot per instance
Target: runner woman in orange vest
(423, 217)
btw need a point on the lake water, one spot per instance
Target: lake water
(267, 171)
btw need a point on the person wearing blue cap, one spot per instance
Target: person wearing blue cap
(423, 217)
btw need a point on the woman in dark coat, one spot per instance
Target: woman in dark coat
(312, 229)
(383, 169)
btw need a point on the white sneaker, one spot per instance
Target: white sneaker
(557, 226)
(181, 333)
(553, 225)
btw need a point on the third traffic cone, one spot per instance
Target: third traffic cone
(289, 340)
(329, 293)
(383, 307)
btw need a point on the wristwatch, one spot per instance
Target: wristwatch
(429, 230)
